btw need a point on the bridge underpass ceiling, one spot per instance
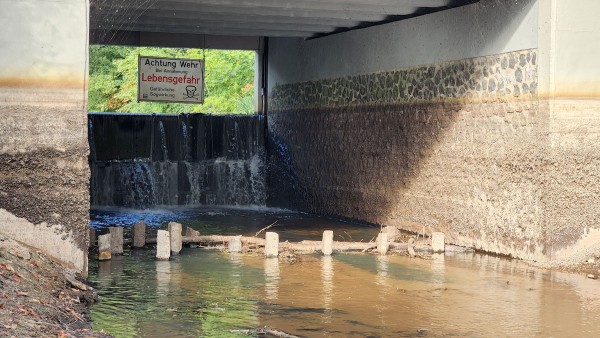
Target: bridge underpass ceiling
(129, 22)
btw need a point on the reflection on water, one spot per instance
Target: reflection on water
(327, 282)
(206, 294)
(271, 279)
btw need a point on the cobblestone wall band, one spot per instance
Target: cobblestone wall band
(478, 79)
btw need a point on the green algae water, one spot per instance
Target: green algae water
(202, 293)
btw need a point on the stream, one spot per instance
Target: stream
(206, 293)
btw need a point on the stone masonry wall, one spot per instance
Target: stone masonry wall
(458, 147)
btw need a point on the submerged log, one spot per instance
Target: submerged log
(265, 330)
(302, 247)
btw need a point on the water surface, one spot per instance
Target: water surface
(204, 293)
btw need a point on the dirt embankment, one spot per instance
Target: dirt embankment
(39, 298)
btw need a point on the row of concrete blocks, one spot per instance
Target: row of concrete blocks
(170, 242)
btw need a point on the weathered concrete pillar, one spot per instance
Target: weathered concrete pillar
(104, 247)
(438, 242)
(163, 245)
(327, 243)
(139, 234)
(175, 230)
(411, 247)
(271, 244)
(116, 239)
(92, 236)
(383, 243)
(235, 244)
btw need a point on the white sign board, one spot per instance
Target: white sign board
(170, 80)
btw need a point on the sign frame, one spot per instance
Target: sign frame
(190, 93)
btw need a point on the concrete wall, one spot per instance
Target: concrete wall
(437, 122)
(44, 174)
(484, 28)
(569, 79)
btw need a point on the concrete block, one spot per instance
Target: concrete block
(92, 237)
(163, 245)
(116, 238)
(438, 242)
(271, 244)
(411, 247)
(139, 234)
(383, 243)
(327, 243)
(235, 244)
(189, 232)
(175, 230)
(104, 247)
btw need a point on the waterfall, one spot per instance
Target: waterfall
(142, 161)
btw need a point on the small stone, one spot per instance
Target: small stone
(189, 232)
(492, 85)
(519, 75)
(522, 60)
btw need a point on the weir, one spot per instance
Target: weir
(156, 160)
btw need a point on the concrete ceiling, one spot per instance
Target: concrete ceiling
(253, 18)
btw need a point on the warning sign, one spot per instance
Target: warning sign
(170, 80)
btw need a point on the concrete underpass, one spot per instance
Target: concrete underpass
(479, 119)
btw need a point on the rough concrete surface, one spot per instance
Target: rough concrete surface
(44, 172)
(492, 166)
(47, 186)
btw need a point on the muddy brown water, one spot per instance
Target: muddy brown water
(204, 293)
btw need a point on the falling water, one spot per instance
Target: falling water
(150, 160)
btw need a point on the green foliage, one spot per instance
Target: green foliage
(229, 80)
